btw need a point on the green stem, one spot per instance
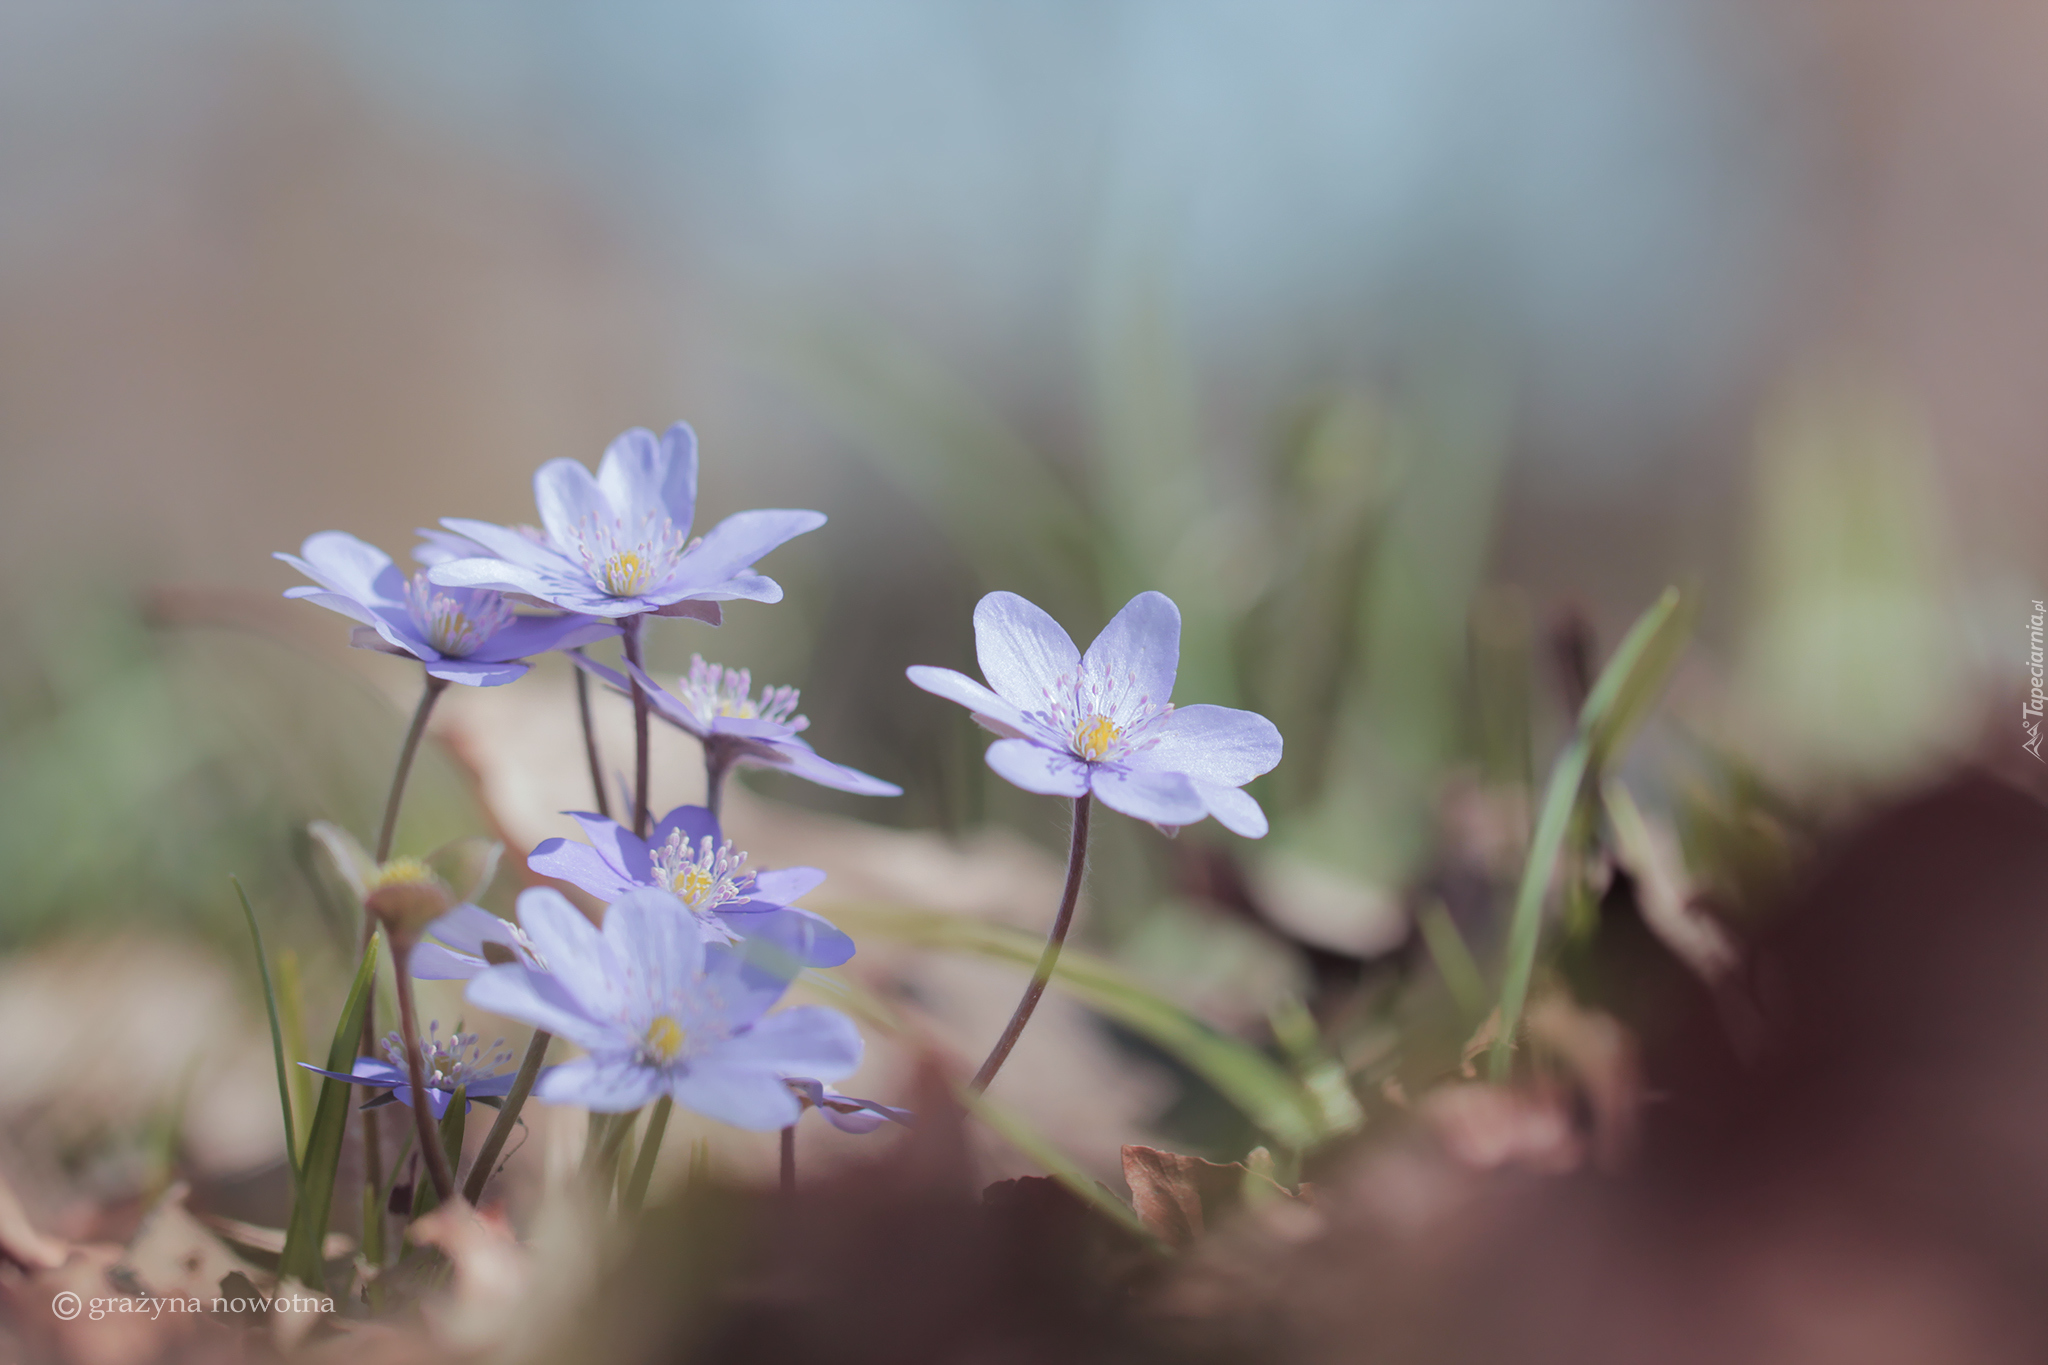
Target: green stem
(416, 1073)
(508, 1113)
(1077, 858)
(650, 1147)
(640, 758)
(431, 694)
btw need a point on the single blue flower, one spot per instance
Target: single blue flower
(659, 1009)
(844, 1112)
(688, 857)
(464, 942)
(1102, 722)
(717, 705)
(463, 635)
(456, 1062)
(618, 544)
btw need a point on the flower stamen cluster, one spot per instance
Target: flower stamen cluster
(1103, 718)
(664, 1041)
(705, 879)
(711, 691)
(455, 621)
(453, 1063)
(627, 564)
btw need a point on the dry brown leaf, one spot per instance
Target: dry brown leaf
(1179, 1197)
(1601, 1055)
(493, 1276)
(21, 1242)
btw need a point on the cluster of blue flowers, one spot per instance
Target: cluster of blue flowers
(673, 991)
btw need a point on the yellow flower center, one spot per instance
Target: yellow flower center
(1095, 737)
(402, 872)
(624, 573)
(693, 884)
(665, 1039)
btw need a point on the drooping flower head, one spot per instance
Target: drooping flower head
(464, 635)
(618, 544)
(1104, 722)
(688, 856)
(458, 1062)
(719, 707)
(465, 941)
(660, 1009)
(844, 1112)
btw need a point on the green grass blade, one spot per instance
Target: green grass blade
(284, 1084)
(291, 1012)
(1453, 960)
(307, 1231)
(1635, 675)
(1622, 696)
(1034, 1144)
(1259, 1086)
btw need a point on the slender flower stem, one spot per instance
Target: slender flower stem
(604, 802)
(718, 761)
(789, 1159)
(650, 1147)
(632, 629)
(435, 687)
(416, 1073)
(508, 1113)
(1077, 859)
(373, 1144)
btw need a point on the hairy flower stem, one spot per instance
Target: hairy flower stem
(718, 761)
(508, 1113)
(373, 1144)
(435, 687)
(416, 1073)
(1077, 858)
(632, 629)
(604, 801)
(789, 1159)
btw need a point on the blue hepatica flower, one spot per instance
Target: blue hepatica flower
(1101, 722)
(451, 1063)
(465, 941)
(464, 635)
(618, 544)
(660, 1009)
(719, 707)
(844, 1112)
(689, 858)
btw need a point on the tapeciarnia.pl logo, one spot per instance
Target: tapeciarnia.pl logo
(2037, 700)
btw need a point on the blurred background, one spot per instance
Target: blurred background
(1404, 344)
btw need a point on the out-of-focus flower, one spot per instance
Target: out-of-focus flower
(464, 635)
(618, 544)
(660, 1010)
(454, 1063)
(410, 895)
(688, 857)
(1101, 722)
(717, 705)
(844, 1112)
(465, 941)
